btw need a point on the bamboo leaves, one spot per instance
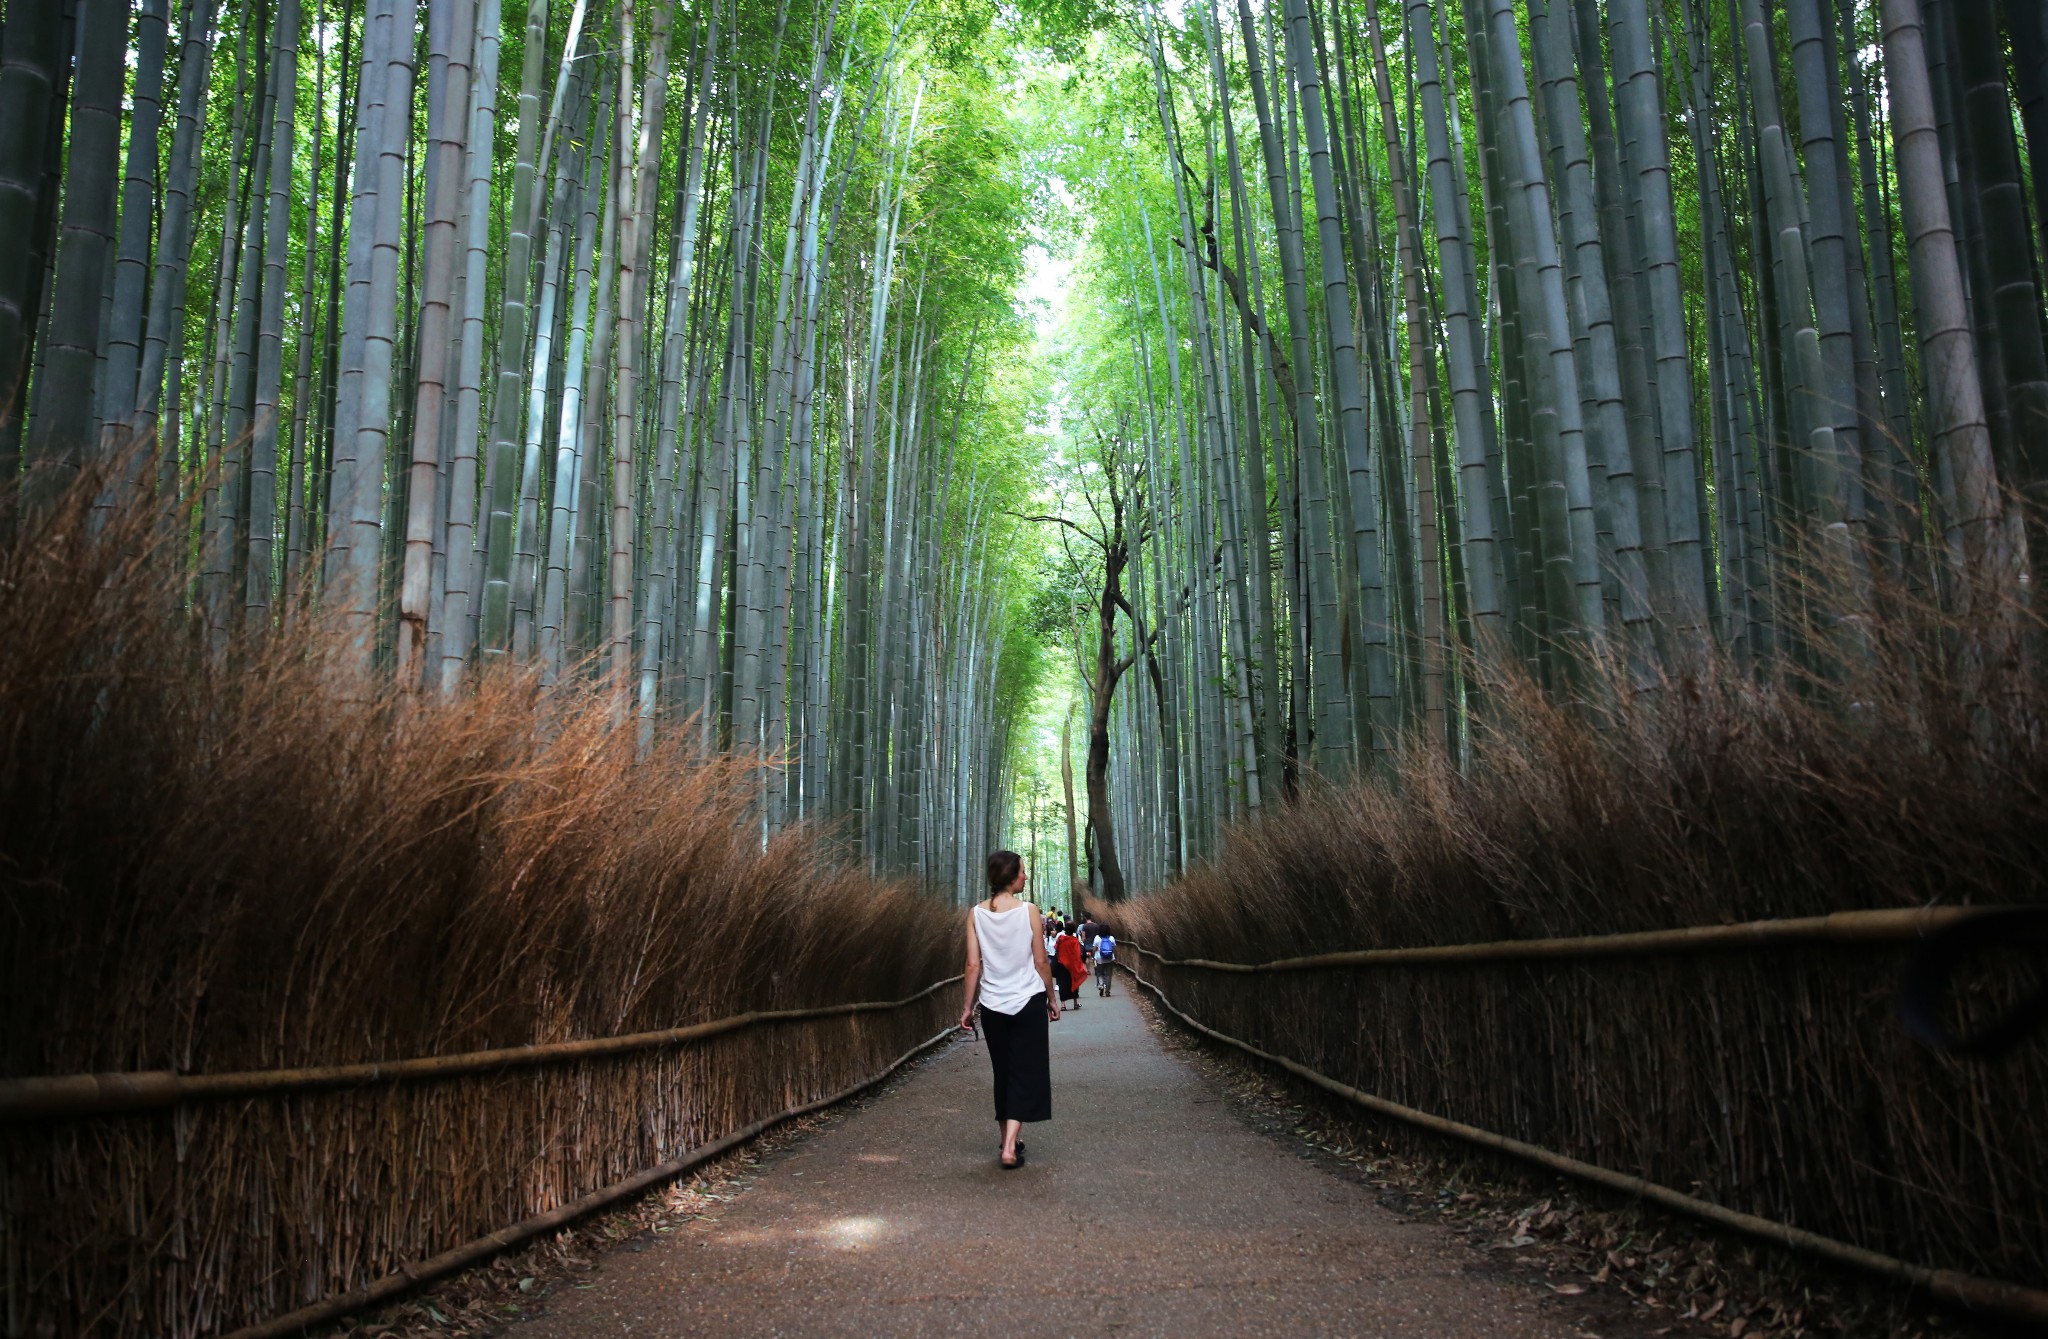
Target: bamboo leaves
(1552, 342)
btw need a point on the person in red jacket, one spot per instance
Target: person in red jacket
(1070, 969)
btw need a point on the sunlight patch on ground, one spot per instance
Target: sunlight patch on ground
(853, 1233)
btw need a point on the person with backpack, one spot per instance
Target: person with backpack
(1105, 961)
(1008, 977)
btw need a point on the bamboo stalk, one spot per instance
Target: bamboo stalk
(408, 1277)
(1977, 1294)
(1841, 927)
(97, 1094)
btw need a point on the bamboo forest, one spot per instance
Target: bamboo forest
(1485, 545)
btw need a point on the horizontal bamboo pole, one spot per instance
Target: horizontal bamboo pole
(469, 1253)
(1842, 927)
(98, 1094)
(1993, 1296)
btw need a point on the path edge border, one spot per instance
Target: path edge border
(1969, 1291)
(408, 1277)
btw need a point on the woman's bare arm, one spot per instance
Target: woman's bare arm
(973, 970)
(1052, 998)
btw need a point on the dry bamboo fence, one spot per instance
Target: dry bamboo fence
(1760, 1067)
(202, 1205)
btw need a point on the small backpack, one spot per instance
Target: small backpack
(1105, 948)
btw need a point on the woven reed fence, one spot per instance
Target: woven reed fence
(153, 1204)
(1757, 1069)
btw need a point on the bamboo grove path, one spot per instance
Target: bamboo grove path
(1147, 1207)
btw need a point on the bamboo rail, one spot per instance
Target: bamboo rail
(1842, 927)
(1995, 1296)
(98, 1094)
(408, 1277)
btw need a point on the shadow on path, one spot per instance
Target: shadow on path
(1147, 1208)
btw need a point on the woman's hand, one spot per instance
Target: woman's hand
(967, 1019)
(1052, 1008)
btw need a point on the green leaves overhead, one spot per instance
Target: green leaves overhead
(1599, 344)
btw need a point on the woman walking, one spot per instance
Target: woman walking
(1069, 968)
(1008, 976)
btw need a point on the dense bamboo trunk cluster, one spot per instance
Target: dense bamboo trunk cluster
(1422, 344)
(633, 340)
(1602, 341)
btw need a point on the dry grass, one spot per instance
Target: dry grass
(254, 863)
(1777, 1082)
(1716, 800)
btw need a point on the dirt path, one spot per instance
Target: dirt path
(1147, 1208)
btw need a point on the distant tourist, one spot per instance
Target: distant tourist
(1068, 969)
(1105, 962)
(1008, 977)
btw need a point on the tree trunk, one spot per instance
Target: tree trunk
(62, 431)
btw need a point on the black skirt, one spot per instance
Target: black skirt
(1019, 1053)
(1064, 980)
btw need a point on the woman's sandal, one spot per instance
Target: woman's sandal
(1011, 1166)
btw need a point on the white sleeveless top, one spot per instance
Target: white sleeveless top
(1008, 976)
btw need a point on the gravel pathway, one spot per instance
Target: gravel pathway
(1146, 1208)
